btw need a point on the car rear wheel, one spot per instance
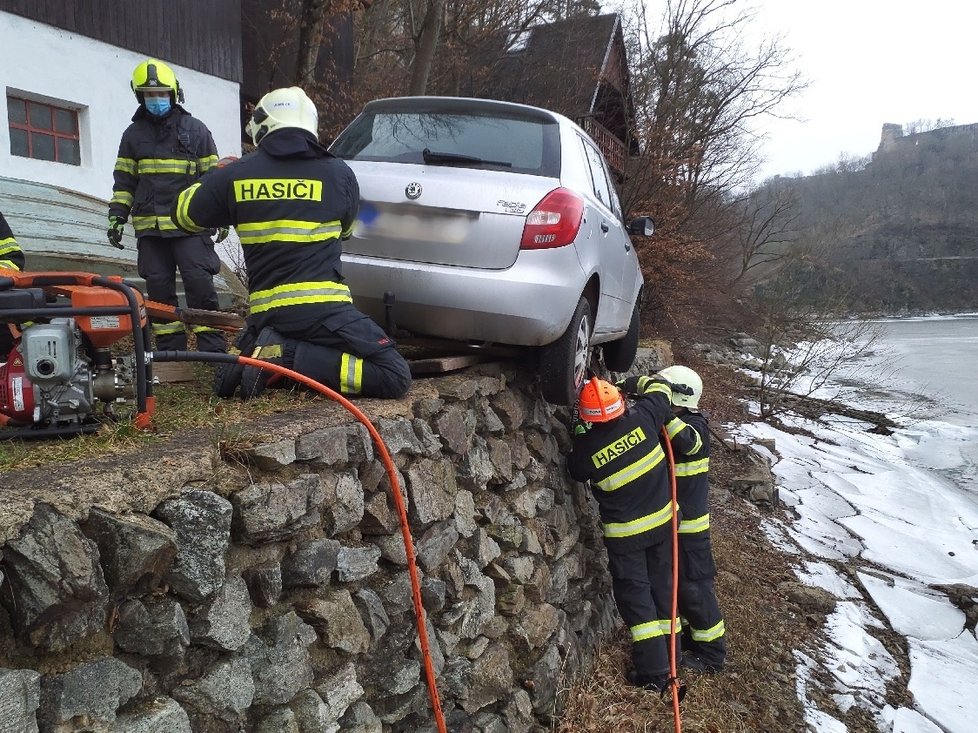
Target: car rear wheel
(564, 363)
(619, 355)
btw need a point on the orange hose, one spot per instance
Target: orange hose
(673, 676)
(385, 457)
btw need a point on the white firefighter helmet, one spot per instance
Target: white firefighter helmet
(684, 376)
(286, 107)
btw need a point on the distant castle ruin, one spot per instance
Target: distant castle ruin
(893, 138)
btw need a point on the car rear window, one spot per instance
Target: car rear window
(505, 141)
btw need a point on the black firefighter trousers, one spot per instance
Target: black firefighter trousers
(194, 256)
(703, 627)
(345, 350)
(642, 585)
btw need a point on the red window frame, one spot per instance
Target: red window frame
(51, 131)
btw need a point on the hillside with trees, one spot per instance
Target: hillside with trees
(893, 233)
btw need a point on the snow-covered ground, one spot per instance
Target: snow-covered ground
(902, 510)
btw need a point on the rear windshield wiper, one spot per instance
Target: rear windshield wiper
(431, 156)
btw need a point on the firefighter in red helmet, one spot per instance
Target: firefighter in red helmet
(616, 448)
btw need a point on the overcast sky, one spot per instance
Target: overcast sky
(869, 62)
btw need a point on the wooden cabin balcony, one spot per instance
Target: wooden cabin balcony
(611, 147)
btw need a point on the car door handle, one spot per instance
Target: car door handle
(604, 227)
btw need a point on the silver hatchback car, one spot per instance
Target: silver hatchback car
(494, 223)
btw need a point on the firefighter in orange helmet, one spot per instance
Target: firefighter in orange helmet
(616, 448)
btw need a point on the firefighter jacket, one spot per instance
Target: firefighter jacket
(11, 255)
(158, 158)
(626, 465)
(290, 202)
(690, 438)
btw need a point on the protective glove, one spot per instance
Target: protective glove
(114, 232)
(633, 385)
(644, 385)
(222, 234)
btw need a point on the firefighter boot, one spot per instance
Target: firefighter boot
(227, 377)
(270, 346)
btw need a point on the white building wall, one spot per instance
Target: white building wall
(52, 65)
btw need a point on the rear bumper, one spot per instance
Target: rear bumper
(527, 304)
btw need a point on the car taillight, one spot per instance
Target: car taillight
(554, 222)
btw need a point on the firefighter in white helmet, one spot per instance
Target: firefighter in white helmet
(704, 642)
(292, 202)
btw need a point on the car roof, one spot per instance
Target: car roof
(464, 104)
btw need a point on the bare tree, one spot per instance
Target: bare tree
(698, 90)
(426, 43)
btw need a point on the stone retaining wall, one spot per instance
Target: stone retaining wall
(256, 580)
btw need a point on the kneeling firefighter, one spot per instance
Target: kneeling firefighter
(292, 202)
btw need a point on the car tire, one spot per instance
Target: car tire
(620, 355)
(565, 362)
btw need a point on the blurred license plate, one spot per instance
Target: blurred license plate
(413, 223)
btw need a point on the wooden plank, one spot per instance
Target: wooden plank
(442, 364)
(171, 372)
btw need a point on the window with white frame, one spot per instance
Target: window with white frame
(43, 130)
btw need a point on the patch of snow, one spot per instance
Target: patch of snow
(913, 609)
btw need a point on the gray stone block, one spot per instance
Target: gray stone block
(202, 522)
(223, 622)
(54, 574)
(152, 627)
(279, 659)
(311, 564)
(20, 695)
(272, 512)
(135, 551)
(264, 584)
(94, 690)
(161, 715)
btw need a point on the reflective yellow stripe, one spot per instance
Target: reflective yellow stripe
(122, 197)
(267, 352)
(287, 230)
(163, 223)
(7, 246)
(298, 294)
(691, 468)
(674, 426)
(347, 233)
(151, 166)
(165, 329)
(642, 524)
(633, 471)
(711, 634)
(658, 387)
(351, 374)
(126, 165)
(207, 162)
(8, 264)
(652, 629)
(183, 206)
(697, 524)
(204, 329)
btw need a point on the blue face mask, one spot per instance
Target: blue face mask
(157, 106)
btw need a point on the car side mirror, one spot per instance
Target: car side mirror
(643, 226)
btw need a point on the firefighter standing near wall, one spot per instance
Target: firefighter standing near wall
(11, 258)
(616, 447)
(291, 202)
(164, 150)
(704, 643)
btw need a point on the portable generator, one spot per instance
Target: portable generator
(61, 376)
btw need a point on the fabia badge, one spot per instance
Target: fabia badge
(413, 191)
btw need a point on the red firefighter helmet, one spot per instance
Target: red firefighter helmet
(600, 401)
